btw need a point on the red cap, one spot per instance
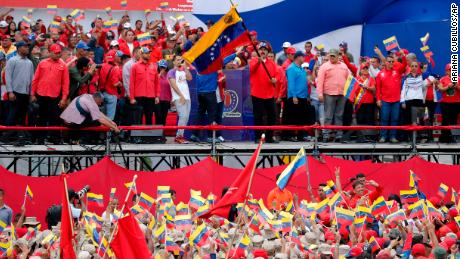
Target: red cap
(384, 254)
(444, 230)
(344, 233)
(253, 33)
(58, 18)
(260, 253)
(55, 48)
(371, 233)
(447, 67)
(363, 65)
(290, 50)
(9, 17)
(418, 250)
(329, 236)
(450, 241)
(453, 212)
(356, 251)
(24, 32)
(239, 253)
(110, 56)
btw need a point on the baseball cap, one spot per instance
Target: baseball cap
(114, 43)
(163, 63)
(305, 65)
(127, 25)
(262, 45)
(82, 45)
(253, 33)
(299, 54)
(58, 18)
(110, 56)
(447, 67)
(3, 24)
(355, 252)
(290, 50)
(286, 44)
(334, 52)
(55, 48)
(119, 53)
(21, 44)
(418, 250)
(145, 50)
(343, 44)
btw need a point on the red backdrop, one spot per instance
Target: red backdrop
(208, 176)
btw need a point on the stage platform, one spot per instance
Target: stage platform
(45, 159)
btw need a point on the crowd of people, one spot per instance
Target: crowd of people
(349, 221)
(46, 67)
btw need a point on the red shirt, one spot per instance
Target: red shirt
(372, 197)
(137, 32)
(445, 81)
(261, 86)
(388, 83)
(107, 81)
(144, 81)
(124, 46)
(51, 79)
(309, 57)
(286, 64)
(368, 97)
(156, 54)
(281, 83)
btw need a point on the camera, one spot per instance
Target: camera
(83, 191)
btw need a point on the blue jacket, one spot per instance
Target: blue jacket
(297, 82)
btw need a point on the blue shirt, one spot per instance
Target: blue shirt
(6, 214)
(297, 82)
(206, 83)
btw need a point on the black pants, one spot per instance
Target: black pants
(365, 115)
(431, 105)
(48, 115)
(18, 110)
(413, 108)
(264, 115)
(162, 112)
(207, 104)
(450, 113)
(148, 108)
(296, 114)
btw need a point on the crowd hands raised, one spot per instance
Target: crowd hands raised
(129, 78)
(335, 222)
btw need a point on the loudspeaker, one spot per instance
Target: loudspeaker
(147, 136)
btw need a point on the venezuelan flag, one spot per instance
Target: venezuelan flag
(196, 201)
(171, 246)
(362, 212)
(124, 3)
(220, 41)
(144, 38)
(26, 20)
(182, 209)
(358, 98)
(255, 225)
(136, 209)
(108, 10)
(373, 244)
(164, 5)
(52, 9)
(409, 196)
(425, 39)
(297, 165)
(77, 15)
(202, 210)
(454, 196)
(457, 220)
(151, 224)
(199, 236)
(413, 180)
(131, 185)
(211, 199)
(290, 207)
(160, 233)
(2, 226)
(286, 221)
(49, 239)
(320, 47)
(96, 199)
(161, 189)
(302, 210)
(432, 211)
(379, 207)
(328, 191)
(4, 245)
(397, 216)
(147, 12)
(393, 206)
(103, 248)
(331, 185)
(146, 201)
(264, 214)
(322, 206)
(54, 26)
(391, 43)
(335, 200)
(244, 242)
(442, 191)
(91, 231)
(29, 193)
(417, 210)
(351, 87)
(426, 51)
(97, 219)
(112, 193)
(344, 217)
(253, 204)
(183, 222)
(360, 224)
(276, 225)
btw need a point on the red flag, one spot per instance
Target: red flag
(66, 244)
(237, 191)
(129, 242)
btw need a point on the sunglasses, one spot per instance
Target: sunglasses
(390, 61)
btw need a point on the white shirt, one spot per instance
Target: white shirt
(181, 82)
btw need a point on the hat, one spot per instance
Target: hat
(363, 65)
(3, 24)
(343, 44)
(127, 25)
(418, 250)
(334, 52)
(58, 18)
(281, 256)
(344, 250)
(290, 50)
(286, 44)
(31, 221)
(82, 45)
(55, 48)
(262, 45)
(447, 66)
(253, 33)
(257, 239)
(260, 253)
(355, 252)
(299, 54)
(325, 249)
(384, 254)
(163, 63)
(114, 43)
(110, 56)
(145, 50)
(305, 65)
(21, 44)
(439, 252)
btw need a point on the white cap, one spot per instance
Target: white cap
(114, 43)
(286, 44)
(305, 65)
(3, 24)
(127, 25)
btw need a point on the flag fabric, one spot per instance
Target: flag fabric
(373, 244)
(396, 216)
(160, 233)
(52, 9)
(108, 10)
(351, 88)
(425, 39)
(112, 193)
(29, 193)
(409, 196)
(286, 221)
(413, 180)
(124, 3)
(147, 12)
(454, 196)
(2, 226)
(30, 11)
(136, 209)
(146, 201)
(392, 205)
(244, 243)
(202, 210)
(183, 222)
(164, 5)
(65, 245)
(295, 167)
(144, 38)
(328, 191)
(264, 214)
(320, 47)
(360, 224)
(211, 199)
(129, 241)
(161, 189)
(110, 25)
(238, 190)
(457, 220)
(359, 96)
(335, 200)
(331, 185)
(322, 206)
(379, 207)
(182, 209)
(391, 43)
(26, 20)
(362, 212)
(223, 37)
(199, 236)
(54, 26)
(102, 250)
(131, 185)
(95, 199)
(77, 14)
(344, 217)
(406, 251)
(442, 191)
(254, 224)
(196, 201)
(171, 246)
(417, 210)
(432, 211)
(426, 51)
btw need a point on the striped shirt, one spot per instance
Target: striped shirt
(414, 88)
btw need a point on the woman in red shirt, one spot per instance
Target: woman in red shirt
(450, 104)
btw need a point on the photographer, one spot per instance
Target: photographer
(110, 83)
(80, 75)
(77, 207)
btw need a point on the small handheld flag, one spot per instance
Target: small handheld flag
(413, 180)
(426, 51)
(29, 193)
(54, 26)
(320, 47)
(108, 10)
(425, 39)
(298, 163)
(26, 20)
(442, 191)
(164, 5)
(144, 38)
(52, 9)
(124, 3)
(391, 43)
(146, 201)
(30, 11)
(112, 193)
(409, 196)
(147, 12)
(351, 88)
(96, 199)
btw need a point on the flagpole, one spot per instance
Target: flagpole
(25, 197)
(116, 222)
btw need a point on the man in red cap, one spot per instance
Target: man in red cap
(290, 52)
(450, 104)
(253, 35)
(110, 83)
(263, 86)
(50, 89)
(144, 86)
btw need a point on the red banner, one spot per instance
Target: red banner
(158, 5)
(209, 176)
